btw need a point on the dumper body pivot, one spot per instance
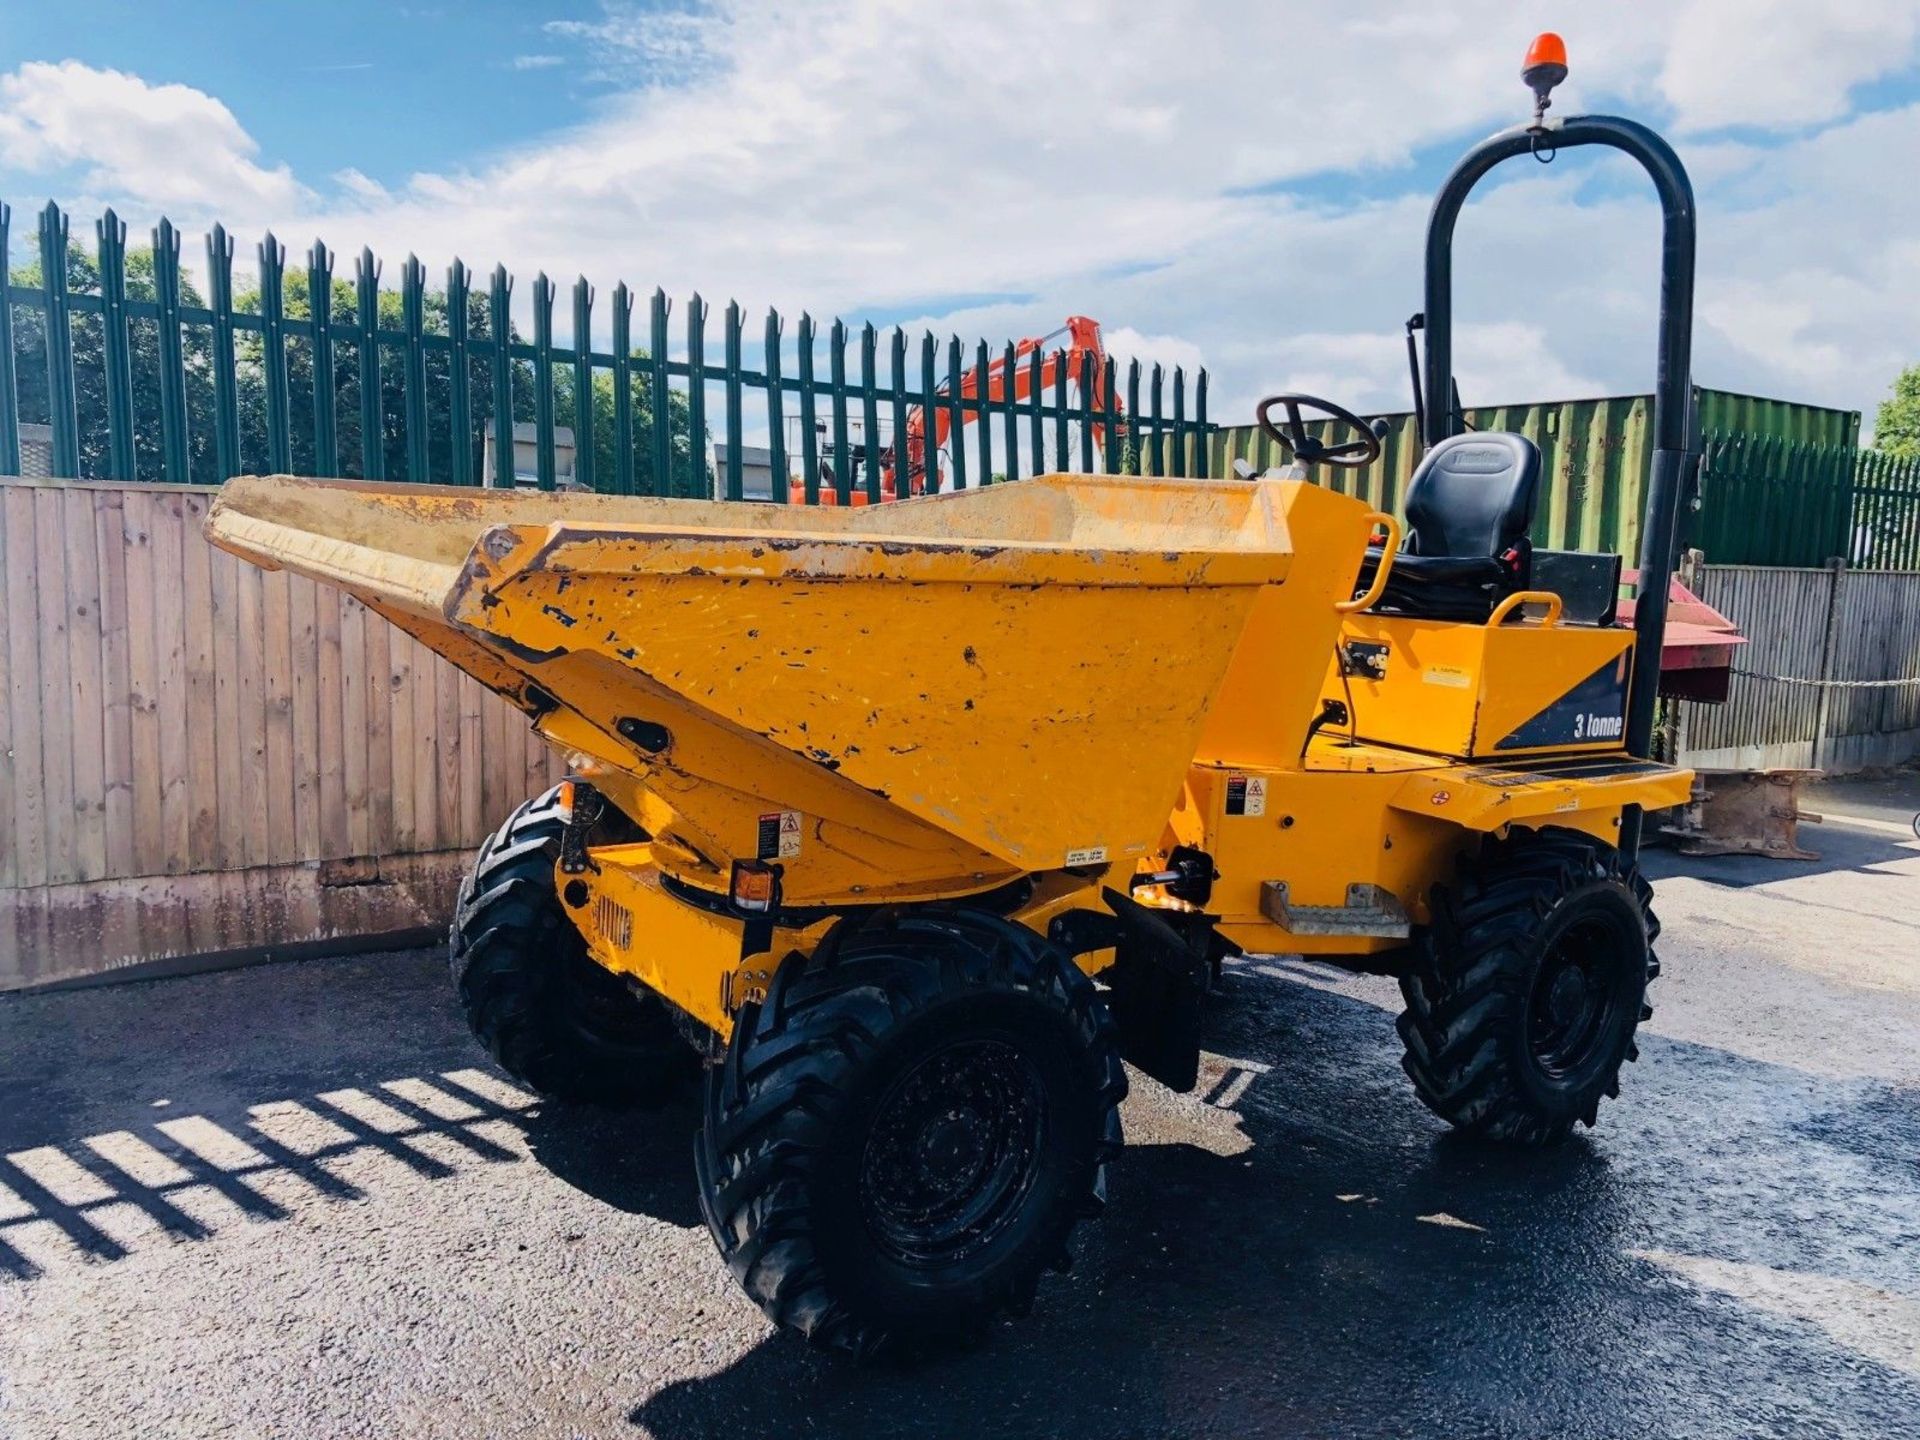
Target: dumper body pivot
(916, 820)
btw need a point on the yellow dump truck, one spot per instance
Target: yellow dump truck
(913, 822)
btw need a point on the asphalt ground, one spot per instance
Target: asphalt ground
(295, 1201)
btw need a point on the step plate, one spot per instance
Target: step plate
(1370, 913)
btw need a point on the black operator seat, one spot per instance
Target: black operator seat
(1469, 507)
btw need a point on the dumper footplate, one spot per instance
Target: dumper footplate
(1575, 767)
(1485, 797)
(1370, 912)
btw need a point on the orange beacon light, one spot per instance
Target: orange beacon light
(1544, 68)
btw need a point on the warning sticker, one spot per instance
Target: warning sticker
(1090, 855)
(1447, 675)
(1246, 794)
(779, 835)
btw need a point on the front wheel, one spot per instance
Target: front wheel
(1526, 990)
(553, 1018)
(906, 1130)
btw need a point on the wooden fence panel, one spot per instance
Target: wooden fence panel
(1783, 611)
(116, 679)
(1878, 638)
(138, 512)
(203, 755)
(9, 853)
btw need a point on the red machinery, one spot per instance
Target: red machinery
(1696, 652)
(1082, 355)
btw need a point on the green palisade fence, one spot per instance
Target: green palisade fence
(126, 370)
(1769, 501)
(1886, 512)
(1596, 455)
(122, 368)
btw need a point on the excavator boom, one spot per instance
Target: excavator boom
(1013, 377)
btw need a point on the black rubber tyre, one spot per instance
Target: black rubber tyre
(1526, 990)
(554, 1019)
(906, 1130)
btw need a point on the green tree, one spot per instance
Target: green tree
(448, 461)
(681, 451)
(1896, 429)
(90, 373)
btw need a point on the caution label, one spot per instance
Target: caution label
(1246, 794)
(779, 836)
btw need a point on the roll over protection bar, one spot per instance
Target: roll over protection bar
(1673, 388)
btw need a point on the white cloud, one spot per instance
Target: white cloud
(1499, 361)
(143, 145)
(1781, 62)
(874, 152)
(628, 32)
(360, 186)
(1124, 343)
(885, 157)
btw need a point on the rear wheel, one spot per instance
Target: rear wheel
(1527, 988)
(534, 997)
(906, 1130)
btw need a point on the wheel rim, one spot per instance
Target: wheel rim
(953, 1152)
(1580, 993)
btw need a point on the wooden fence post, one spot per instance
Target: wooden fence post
(1836, 572)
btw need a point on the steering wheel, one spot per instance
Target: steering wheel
(1293, 436)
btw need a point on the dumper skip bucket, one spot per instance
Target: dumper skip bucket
(923, 698)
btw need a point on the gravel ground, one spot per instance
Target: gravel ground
(293, 1201)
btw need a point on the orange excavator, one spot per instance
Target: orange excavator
(1082, 355)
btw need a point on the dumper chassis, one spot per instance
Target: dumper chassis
(918, 821)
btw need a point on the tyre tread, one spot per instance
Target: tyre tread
(772, 1100)
(1467, 976)
(509, 939)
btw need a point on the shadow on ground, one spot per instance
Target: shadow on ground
(1304, 1251)
(1839, 847)
(245, 1082)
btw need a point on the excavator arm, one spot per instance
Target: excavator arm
(1082, 361)
(1083, 356)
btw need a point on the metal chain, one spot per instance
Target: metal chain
(1828, 684)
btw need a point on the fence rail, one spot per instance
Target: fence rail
(137, 376)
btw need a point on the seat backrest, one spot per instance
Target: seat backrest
(1473, 495)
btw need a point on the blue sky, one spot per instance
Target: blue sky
(387, 89)
(1236, 184)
